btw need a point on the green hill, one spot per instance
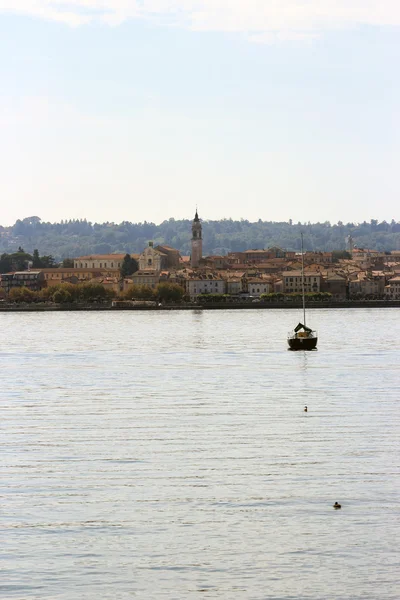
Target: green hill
(69, 239)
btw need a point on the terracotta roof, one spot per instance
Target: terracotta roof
(101, 257)
(169, 248)
(299, 274)
(79, 270)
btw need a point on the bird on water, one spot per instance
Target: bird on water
(305, 409)
(337, 505)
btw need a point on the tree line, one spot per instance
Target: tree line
(93, 292)
(78, 237)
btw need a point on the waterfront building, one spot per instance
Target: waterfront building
(32, 280)
(197, 242)
(336, 285)
(365, 286)
(292, 282)
(392, 290)
(205, 285)
(257, 286)
(234, 286)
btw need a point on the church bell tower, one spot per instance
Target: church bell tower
(197, 242)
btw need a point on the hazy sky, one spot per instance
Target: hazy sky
(140, 109)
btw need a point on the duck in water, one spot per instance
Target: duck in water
(305, 409)
(337, 505)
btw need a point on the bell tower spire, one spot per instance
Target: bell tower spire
(197, 241)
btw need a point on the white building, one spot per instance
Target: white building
(256, 287)
(204, 285)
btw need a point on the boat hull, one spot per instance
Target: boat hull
(302, 343)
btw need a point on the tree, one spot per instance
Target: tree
(340, 255)
(48, 262)
(22, 294)
(170, 292)
(20, 259)
(129, 266)
(5, 263)
(91, 292)
(68, 263)
(62, 295)
(36, 262)
(139, 292)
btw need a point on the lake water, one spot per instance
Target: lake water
(167, 455)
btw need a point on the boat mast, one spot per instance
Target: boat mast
(302, 281)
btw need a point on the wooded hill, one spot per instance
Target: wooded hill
(72, 238)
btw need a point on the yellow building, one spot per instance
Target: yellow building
(101, 261)
(70, 275)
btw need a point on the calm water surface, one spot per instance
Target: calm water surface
(167, 455)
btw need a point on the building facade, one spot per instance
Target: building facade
(292, 282)
(392, 290)
(173, 256)
(100, 261)
(196, 286)
(149, 277)
(152, 259)
(336, 285)
(32, 280)
(257, 286)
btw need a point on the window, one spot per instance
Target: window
(112, 265)
(85, 265)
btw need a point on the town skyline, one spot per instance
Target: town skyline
(162, 272)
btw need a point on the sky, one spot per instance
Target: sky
(139, 110)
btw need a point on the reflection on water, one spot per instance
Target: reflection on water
(167, 455)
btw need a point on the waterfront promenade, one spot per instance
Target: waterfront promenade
(51, 307)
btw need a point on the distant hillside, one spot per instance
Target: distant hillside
(69, 239)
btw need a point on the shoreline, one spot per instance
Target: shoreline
(216, 306)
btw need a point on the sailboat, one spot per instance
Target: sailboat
(302, 337)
